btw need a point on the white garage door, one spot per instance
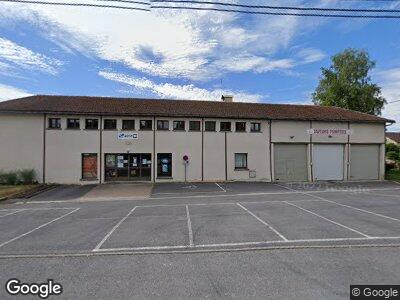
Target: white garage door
(328, 162)
(290, 162)
(364, 162)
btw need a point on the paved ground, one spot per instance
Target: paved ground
(234, 240)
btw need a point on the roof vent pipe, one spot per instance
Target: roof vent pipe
(227, 98)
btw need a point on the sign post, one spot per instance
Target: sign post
(185, 162)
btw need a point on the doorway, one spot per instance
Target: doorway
(128, 167)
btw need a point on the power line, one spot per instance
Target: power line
(276, 7)
(76, 4)
(276, 13)
(128, 1)
(393, 102)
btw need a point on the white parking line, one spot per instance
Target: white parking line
(262, 221)
(218, 185)
(385, 195)
(189, 223)
(281, 242)
(34, 208)
(329, 220)
(113, 229)
(11, 213)
(352, 207)
(41, 226)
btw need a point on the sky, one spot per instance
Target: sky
(183, 54)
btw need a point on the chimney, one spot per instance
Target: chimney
(227, 98)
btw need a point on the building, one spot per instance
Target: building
(393, 138)
(70, 139)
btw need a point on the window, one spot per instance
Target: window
(240, 126)
(240, 160)
(255, 127)
(225, 126)
(146, 125)
(164, 165)
(73, 124)
(89, 166)
(54, 123)
(162, 125)
(194, 125)
(128, 124)
(179, 125)
(209, 126)
(110, 124)
(92, 124)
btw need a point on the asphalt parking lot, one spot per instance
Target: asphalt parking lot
(215, 221)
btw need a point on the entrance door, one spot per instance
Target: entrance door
(290, 162)
(328, 162)
(364, 162)
(128, 167)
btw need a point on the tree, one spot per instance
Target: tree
(347, 84)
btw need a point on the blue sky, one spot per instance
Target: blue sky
(186, 54)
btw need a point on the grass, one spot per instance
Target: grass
(10, 190)
(393, 174)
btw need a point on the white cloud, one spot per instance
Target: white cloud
(9, 92)
(13, 55)
(177, 44)
(310, 55)
(172, 91)
(390, 83)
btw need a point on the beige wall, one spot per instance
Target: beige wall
(21, 143)
(22, 146)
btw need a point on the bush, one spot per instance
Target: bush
(27, 176)
(392, 155)
(9, 178)
(392, 148)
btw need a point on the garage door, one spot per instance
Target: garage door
(328, 162)
(290, 162)
(364, 162)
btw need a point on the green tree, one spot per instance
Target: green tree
(347, 84)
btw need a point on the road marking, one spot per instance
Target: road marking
(218, 185)
(385, 195)
(262, 221)
(329, 220)
(189, 223)
(97, 248)
(352, 207)
(39, 208)
(11, 213)
(281, 242)
(41, 226)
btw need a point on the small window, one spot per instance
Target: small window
(162, 125)
(255, 127)
(92, 124)
(194, 125)
(179, 125)
(146, 125)
(110, 124)
(73, 123)
(225, 126)
(240, 160)
(240, 126)
(209, 126)
(128, 124)
(54, 123)
(164, 165)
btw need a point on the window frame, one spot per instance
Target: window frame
(114, 122)
(147, 122)
(124, 121)
(195, 122)
(162, 128)
(246, 161)
(179, 122)
(255, 123)
(208, 123)
(240, 123)
(86, 124)
(58, 123)
(74, 119)
(225, 123)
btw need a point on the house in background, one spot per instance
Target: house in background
(393, 138)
